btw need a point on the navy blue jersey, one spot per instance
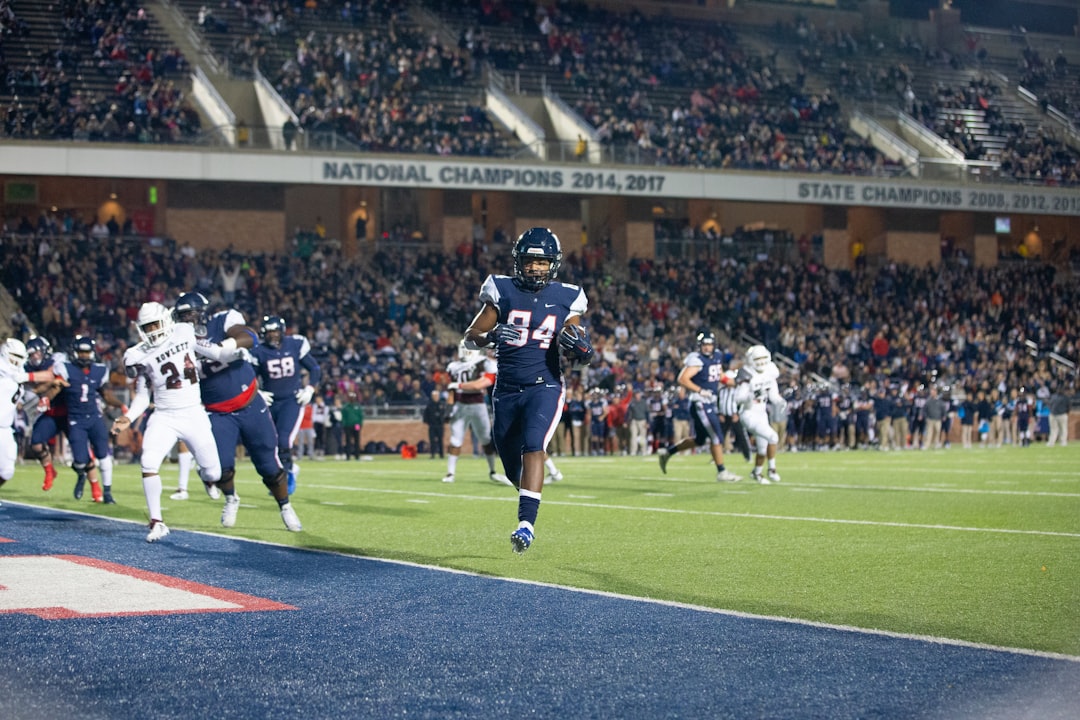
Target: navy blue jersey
(225, 386)
(279, 368)
(710, 374)
(84, 385)
(541, 316)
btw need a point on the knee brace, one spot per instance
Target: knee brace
(226, 480)
(83, 468)
(274, 480)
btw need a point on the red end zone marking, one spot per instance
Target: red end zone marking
(4, 539)
(49, 587)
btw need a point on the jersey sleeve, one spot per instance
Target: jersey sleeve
(489, 291)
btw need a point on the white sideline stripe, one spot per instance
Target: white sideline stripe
(712, 513)
(1028, 652)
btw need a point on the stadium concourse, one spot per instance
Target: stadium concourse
(375, 324)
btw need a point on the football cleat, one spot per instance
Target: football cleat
(291, 478)
(521, 539)
(229, 510)
(212, 490)
(553, 478)
(288, 516)
(50, 476)
(448, 478)
(497, 478)
(80, 485)
(664, 455)
(774, 476)
(179, 495)
(727, 476)
(106, 495)
(158, 530)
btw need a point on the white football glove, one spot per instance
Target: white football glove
(453, 386)
(267, 396)
(707, 395)
(304, 394)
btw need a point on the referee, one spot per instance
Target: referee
(728, 410)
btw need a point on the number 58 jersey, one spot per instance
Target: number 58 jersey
(167, 370)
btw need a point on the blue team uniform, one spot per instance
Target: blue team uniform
(279, 373)
(53, 421)
(86, 426)
(529, 393)
(708, 428)
(238, 413)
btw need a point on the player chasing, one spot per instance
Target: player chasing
(756, 388)
(238, 413)
(529, 319)
(472, 374)
(702, 374)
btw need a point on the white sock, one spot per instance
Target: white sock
(152, 490)
(451, 464)
(184, 460)
(106, 465)
(550, 465)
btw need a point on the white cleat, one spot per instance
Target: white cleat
(553, 478)
(499, 479)
(212, 490)
(229, 511)
(727, 476)
(179, 495)
(774, 476)
(448, 478)
(158, 530)
(288, 515)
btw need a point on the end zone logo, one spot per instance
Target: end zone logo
(56, 587)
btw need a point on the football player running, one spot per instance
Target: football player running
(238, 413)
(472, 374)
(702, 374)
(85, 380)
(53, 418)
(163, 367)
(529, 319)
(13, 355)
(757, 387)
(279, 360)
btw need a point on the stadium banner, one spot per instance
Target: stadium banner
(176, 163)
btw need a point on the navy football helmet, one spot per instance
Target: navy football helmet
(82, 351)
(38, 350)
(272, 330)
(539, 243)
(705, 337)
(192, 308)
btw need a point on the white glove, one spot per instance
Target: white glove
(707, 395)
(267, 396)
(453, 386)
(304, 395)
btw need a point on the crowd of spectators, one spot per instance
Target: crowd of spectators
(962, 108)
(362, 70)
(112, 46)
(682, 94)
(385, 327)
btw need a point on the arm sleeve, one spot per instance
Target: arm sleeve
(312, 366)
(140, 400)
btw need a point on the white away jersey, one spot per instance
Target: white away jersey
(168, 371)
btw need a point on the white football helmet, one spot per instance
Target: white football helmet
(758, 357)
(14, 352)
(155, 323)
(466, 355)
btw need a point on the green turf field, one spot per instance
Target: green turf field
(981, 545)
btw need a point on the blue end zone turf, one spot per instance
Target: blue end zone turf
(376, 639)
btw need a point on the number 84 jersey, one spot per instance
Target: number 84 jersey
(168, 370)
